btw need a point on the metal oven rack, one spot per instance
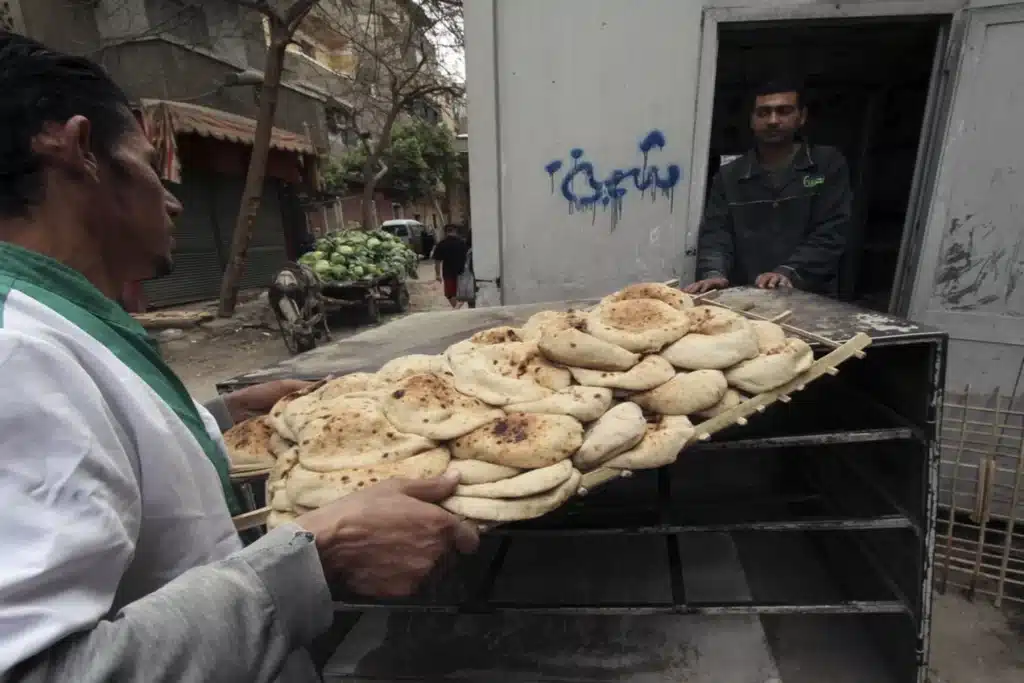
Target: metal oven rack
(813, 523)
(794, 549)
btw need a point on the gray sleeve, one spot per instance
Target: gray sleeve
(219, 409)
(715, 246)
(235, 620)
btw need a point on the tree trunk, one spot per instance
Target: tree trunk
(444, 212)
(252, 195)
(369, 188)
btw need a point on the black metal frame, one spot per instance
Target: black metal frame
(870, 511)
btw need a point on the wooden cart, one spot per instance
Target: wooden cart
(366, 296)
(305, 324)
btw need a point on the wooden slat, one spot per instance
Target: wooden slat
(251, 520)
(758, 404)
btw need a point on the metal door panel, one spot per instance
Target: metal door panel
(973, 255)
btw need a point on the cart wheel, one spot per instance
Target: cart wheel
(293, 342)
(372, 309)
(290, 342)
(400, 297)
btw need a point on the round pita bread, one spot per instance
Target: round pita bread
(281, 468)
(415, 364)
(277, 413)
(685, 394)
(546, 374)
(638, 325)
(651, 372)
(429, 406)
(357, 382)
(276, 519)
(278, 445)
(352, 432)
(491, 337)
(732, 399)
(660, 446)
(529, 483)
(718, 339)
(531, 507)
(523, 440)
(547, 322)
(653, 290)
(497, 374)
(248, 443)
(280, 501)
(771, 370)
(477, 472)
(769, 335)
(586, 404)
(311, 489)
(579, 349)
(618, 430)
(497, 335)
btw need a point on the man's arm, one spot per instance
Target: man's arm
(235, 620)
(715, 241)
(71, 515)
(218, 408)
(816, 260)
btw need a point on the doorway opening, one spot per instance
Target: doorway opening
(867, 87)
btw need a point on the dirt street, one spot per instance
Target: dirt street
(220, 350)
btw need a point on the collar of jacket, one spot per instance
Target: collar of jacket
(70, 294)
(802, 161)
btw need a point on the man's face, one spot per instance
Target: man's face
(777, 118)
(133, 214)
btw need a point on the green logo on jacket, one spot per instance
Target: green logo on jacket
(813, 180)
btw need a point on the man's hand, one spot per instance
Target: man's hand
(383, 540)
(710, 284)
(772, 281)
(260, 398)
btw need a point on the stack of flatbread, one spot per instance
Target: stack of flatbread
(524, 414)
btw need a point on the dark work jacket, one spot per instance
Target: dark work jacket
(798, 229)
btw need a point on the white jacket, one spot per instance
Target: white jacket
(108, 470)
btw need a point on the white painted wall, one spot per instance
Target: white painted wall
(547, 76)
(597, 75)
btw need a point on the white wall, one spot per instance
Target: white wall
(594, 75)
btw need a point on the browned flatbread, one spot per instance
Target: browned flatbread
(248, 443)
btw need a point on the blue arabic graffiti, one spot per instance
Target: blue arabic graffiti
(583, 190)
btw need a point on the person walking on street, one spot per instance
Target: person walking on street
(450, 263)
(778, 216)
(119, 560)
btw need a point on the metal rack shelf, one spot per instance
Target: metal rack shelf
(809, 520)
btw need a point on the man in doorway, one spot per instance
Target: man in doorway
(777, 216)
(450, 262)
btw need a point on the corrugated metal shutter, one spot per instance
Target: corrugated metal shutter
(267, 251)
(203, 239)
(197, 263)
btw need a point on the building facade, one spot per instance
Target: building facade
(177, 61)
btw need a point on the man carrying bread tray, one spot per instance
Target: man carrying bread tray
(120, 561)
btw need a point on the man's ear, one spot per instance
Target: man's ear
(78, 130)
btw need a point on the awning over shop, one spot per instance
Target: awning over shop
(164, 120)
